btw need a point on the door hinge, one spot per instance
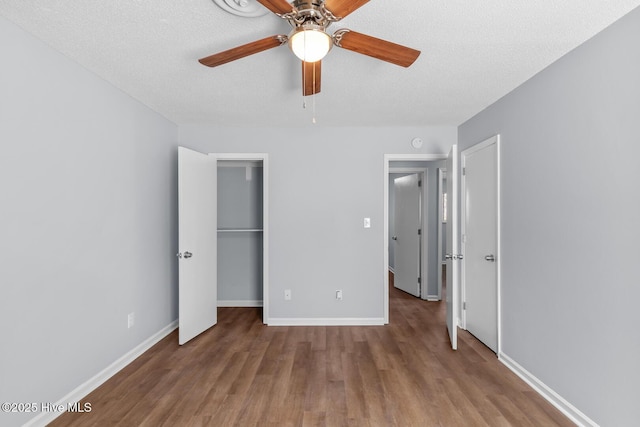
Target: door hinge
(419, 183)
(419, 232)
(419, 280)
(464, 171)
(464, 305)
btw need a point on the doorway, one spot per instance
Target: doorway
(391, 161)
(240, 228)
(198, 237)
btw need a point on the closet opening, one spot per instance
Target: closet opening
(223, 236)
(240, 233)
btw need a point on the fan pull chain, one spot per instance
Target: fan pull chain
(313, 107)
(313, 118)
(304, 98)
(304, 81)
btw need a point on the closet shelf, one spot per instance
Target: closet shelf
(239, 230)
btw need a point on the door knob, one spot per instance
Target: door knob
(490, 258)
(188, 254)
(395, 237)
(448, 256)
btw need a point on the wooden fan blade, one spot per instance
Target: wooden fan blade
(277, 6)
(378, 48)
(242, 51)
(311, 72)
(342, 8)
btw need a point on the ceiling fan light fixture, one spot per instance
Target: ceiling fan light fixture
(310, 42)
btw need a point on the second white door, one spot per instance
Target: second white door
(408, 221)
(480, 242)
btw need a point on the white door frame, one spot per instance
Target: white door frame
(442, 172)
(422, 172)
(387, 159)
(463, 211)
(453, 248)
(264, 158)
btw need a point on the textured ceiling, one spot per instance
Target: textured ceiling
(473, 53)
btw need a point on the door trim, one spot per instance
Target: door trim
(387, 159)
(264, 158)
(442, 172)
(477, 147)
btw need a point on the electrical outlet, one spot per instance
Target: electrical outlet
(287, 294)
(339, 295)
(131, 319)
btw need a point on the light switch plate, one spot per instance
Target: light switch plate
(367, 223)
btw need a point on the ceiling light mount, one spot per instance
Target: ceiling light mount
(244, 8)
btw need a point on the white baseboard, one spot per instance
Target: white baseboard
(432, 298)
(92, 383)
(573, 413)
(344, 321)
(240, 303)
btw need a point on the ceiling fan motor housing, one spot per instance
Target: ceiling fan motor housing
(310, 11)
(301, 5)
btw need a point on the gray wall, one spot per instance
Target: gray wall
(88, 223)
(323, 182)
(570, 227)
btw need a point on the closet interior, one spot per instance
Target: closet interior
(240, 233)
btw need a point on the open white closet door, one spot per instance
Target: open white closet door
(197, 240)
(452, 255)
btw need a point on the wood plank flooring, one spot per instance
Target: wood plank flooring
(242, 373)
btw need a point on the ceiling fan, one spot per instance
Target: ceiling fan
(310, 41)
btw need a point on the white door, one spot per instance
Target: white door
(197, 222)
(452, 247)
(407, 224)
(480, 196)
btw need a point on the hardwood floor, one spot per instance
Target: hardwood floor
(242, 373)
